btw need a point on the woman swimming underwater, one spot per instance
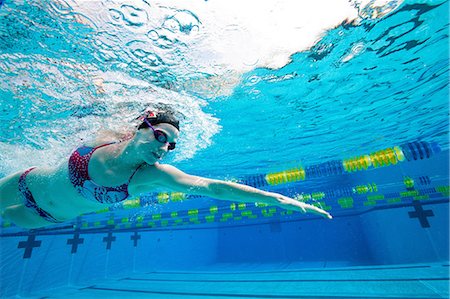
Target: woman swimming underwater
(103, 174)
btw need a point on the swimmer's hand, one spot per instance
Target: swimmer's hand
(292, 204)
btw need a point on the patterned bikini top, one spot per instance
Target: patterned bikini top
(80, 179)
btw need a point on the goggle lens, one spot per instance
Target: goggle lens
(160, 136)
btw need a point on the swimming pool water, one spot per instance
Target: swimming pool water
(357, 124)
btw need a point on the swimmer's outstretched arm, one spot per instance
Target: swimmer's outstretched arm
(174, 179)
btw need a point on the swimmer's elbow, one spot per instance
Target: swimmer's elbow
(205, 187)
(216, 189)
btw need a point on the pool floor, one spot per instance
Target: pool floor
(389, 281)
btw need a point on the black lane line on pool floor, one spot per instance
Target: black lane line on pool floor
(297, 270)
(299, 296)
(289, 280)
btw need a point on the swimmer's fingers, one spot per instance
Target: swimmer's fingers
(304, 207)
(318, 211)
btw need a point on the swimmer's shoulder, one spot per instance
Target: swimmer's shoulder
(146, 179)
(97, 143)
(106, 137)
(149, 173)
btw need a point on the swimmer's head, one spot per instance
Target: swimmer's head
(156, 135)
(160, 117)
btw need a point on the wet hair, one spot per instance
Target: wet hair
(154, 118)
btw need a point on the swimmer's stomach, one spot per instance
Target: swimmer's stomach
(55, 194)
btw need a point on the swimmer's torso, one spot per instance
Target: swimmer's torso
(55, 193)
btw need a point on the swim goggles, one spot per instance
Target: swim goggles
(160, 136)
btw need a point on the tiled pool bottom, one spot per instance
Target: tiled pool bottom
(389, 281)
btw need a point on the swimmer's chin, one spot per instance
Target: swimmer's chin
(156, 156)
(152, 159)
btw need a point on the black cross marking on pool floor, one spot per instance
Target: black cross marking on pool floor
(135, 238)
(421, 214)
(108, 240)
(29, 244)
(75, 241)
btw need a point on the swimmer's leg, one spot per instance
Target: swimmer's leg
(24, 217)
(9, 191)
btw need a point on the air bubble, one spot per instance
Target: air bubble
(183, 21)
(153, 35)
(358, 48)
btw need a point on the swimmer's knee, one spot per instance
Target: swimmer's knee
(9, 191)
(9, 213)
(19, 215)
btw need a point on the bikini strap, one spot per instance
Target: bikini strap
(106, 144)
(129, 180)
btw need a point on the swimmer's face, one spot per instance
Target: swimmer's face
(158, 140)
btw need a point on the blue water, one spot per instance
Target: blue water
(394, 90)
(372, 87)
